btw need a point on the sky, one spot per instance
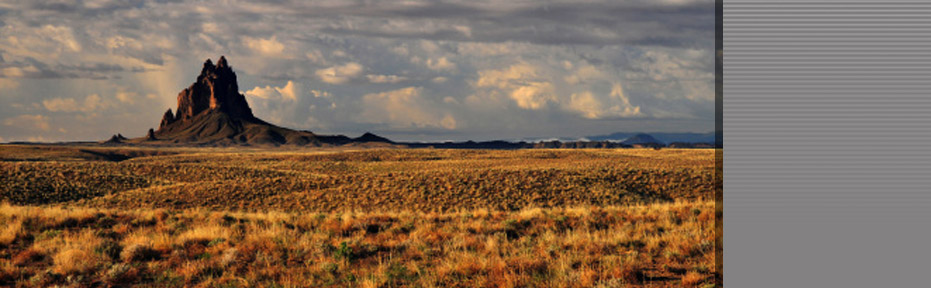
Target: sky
(407, 70)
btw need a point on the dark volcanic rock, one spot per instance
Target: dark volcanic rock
(216, 89)
(115, 139)
(150, 136)
(167, 119)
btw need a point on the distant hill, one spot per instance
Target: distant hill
(641, 138)
(664, 137)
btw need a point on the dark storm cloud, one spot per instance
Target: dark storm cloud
(610, 23)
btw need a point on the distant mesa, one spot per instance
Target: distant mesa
(686, 139)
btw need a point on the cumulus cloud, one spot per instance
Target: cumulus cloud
(315, 56)
(385, 78)
(28, 121)
(267, 47)
(441, 64)
(90, 103)
(617, 105)
(126, 97)
(521, 83)
(340, 74)
(288, 92)
(582, 74)
(404, 108)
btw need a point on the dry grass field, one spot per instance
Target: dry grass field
(213, 217)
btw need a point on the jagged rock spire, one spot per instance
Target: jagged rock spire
(168, 118)
(216, 89)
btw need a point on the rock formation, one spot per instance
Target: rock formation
(215, 90)
(166, 119)
(212, 112)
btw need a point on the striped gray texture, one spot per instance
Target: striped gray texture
(827, 126)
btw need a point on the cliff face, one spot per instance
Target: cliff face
(215, 90)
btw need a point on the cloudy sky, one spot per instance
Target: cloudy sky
(408, 70)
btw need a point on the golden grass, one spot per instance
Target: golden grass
(368, 218)
(370, 180)
(553, 247)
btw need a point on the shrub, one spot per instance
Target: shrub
(73, 261)
(29, 257)
(632, 273)
(344, 251)
(138, 252)
(9, 233)
(120, 273)
(692, 279)
(109, 248)
(229, 257)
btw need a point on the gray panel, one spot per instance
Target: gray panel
(827, 121)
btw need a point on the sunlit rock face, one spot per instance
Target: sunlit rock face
(215, 90)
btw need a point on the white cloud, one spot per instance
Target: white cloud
(339, 54)
(583, 75)
(521, 83)
(385, 78)
(441, 64)
(90, 104)
(533, 95)
(320, 94)
(465, 30)
(267, 47)
(616, 105)
(126, 97)
(117, 42)
(20, 72)
(400, 50)
(340, 74)
(28, 121)
(63, 35)
(288, 92)
(315, 56)
(585, 103)
(404, 108)
(439, 80)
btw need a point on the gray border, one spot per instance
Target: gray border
(828, 163)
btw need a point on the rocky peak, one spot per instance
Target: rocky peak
(167, 119)
(115, 139)
(216, 89)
